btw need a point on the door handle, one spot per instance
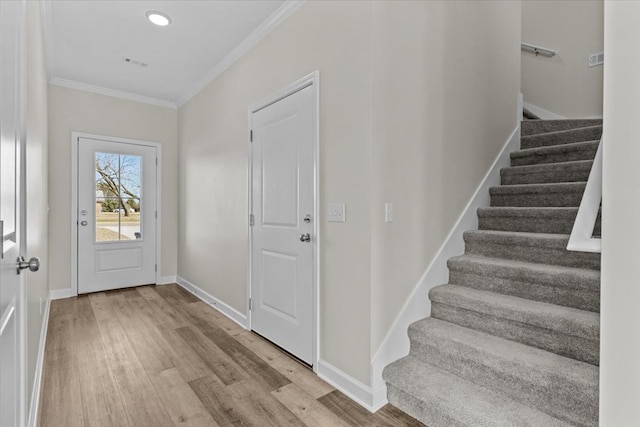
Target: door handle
(33, 264)
(305, 237)
(83, 223)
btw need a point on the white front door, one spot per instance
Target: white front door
(116, 214)
(283, 238)
(12, 329)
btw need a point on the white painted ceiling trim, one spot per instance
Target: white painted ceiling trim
(283, 12)
(112, 92)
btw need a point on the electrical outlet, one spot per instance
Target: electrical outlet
(596, 59)
(336, 212)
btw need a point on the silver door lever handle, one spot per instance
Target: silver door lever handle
(305, 237)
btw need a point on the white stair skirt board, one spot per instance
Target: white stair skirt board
(396, 343)
(37, 380)
(541, 112)
(352, 388)
(214, 302)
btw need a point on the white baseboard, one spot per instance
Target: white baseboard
(214, 302)
(541, 112)
(37, 380)
(396, 343)
(60, 293)
(167, 280)
(354, 389)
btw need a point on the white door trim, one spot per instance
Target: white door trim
(312, 79)
(75, 137)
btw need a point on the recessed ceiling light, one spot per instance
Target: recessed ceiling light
(158, 18)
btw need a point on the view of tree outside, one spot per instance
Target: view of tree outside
(118, 196)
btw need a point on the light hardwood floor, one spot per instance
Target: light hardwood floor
(158, 356)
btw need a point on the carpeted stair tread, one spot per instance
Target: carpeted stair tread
(558, 220)
(555, 153)
(562, 330)
(441, 399)
(568, 286)
(576, 171)
(560, 386)
(534, 127)
(541, 248)
(565, 194)
(590, 133)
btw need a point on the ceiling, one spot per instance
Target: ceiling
(88, 41)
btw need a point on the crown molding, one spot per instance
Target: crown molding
(72, 84)
(276, 18)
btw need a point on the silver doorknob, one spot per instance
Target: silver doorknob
(33, 264)
(305, 237)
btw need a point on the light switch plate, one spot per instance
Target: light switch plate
(336, 212)
(388, 212)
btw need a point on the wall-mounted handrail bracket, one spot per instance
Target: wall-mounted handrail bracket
(538, 50)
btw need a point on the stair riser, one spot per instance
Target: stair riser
(582, 299)
(564, 199)
(562, 224)
(549, 139)
(535, 254)
(565, 345)
(555, 396)
(515, 176)
(534, 127)
(582, 152)
(428, 412)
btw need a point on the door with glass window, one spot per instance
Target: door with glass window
(116, 215)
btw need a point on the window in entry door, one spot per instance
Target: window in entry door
(118, 197)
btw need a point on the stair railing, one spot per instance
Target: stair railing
(581, 238)
(537, 50)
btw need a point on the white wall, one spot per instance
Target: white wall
(334, 38)
(74, 110)
(36, 172)
(416, 100)
(620, 288)
(446, 81)
(563, 84)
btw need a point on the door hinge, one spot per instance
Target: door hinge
(156, 161)
(1, 239)
(251, 220)
(251, 135)
(156, 214)
(156, 268)
(250, 304)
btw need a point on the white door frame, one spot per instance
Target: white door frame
(312, 79)
(75, 138)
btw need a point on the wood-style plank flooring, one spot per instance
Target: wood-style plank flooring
(158, 356)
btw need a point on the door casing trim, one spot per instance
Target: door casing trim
(75, 138)
(312, 79)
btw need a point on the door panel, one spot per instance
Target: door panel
(282, 287)
(12, 331)
(116, 215)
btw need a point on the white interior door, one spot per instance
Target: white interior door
(283, 240)
(11, 216)
(116, 215)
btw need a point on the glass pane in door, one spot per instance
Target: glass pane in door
(118, 197)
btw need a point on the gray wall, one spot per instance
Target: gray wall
(74, 110)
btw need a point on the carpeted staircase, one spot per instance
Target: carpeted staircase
(513, 339)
